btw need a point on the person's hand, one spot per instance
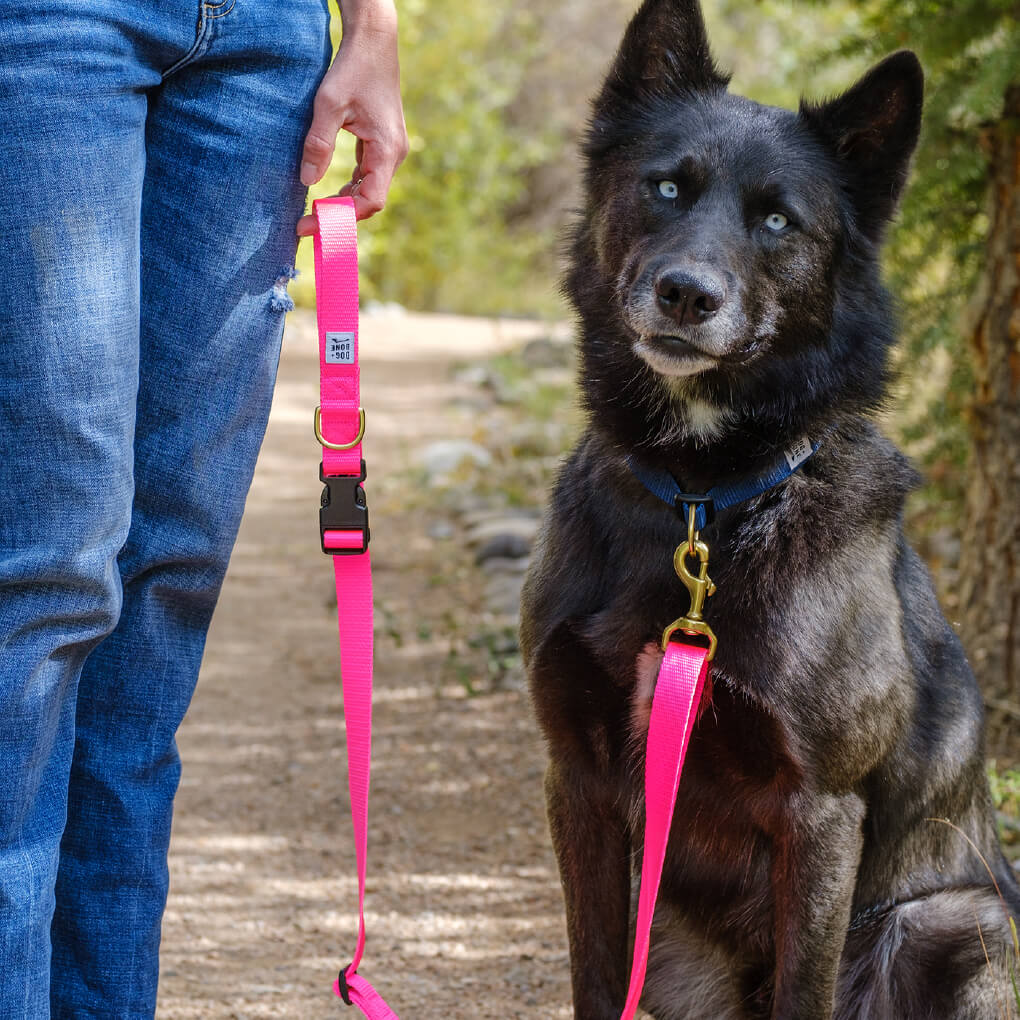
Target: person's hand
(360, 94)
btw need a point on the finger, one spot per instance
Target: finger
(378, 164)
(370, 197)
(351, 187)
(307, 225)
(357, 175)
(327, 119)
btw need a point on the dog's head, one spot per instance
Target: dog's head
(728, 251)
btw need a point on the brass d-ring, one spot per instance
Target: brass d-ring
(339, 446)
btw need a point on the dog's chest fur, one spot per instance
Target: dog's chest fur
(788, 568)
(738, 779)
(789, 609)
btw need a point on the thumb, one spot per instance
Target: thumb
(327, 119)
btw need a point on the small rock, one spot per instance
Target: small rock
(470, 405)
(506, 564)
(503, 594)
(536, 439)
(473, 375)
(545, 352)
(440, 530)
(467, 505)
(484, 513)
(504, 525)
(446, 455)
(503, 547)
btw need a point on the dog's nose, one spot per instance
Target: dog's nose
(688, 299)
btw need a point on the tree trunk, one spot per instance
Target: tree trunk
(990, 578)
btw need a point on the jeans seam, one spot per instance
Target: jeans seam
(201, 40)
(216, 8)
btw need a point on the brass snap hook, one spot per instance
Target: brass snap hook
(699, 586)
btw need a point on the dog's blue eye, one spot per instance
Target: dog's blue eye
(776, 221)
(668, 189)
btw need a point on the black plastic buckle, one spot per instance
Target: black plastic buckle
(341, 983)
(343, 508)
(698, 499)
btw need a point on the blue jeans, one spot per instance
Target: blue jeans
(148, 195)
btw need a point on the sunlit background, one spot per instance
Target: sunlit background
(496, 96)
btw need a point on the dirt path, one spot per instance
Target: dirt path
(465, 915)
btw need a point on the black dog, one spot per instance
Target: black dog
(726, 275)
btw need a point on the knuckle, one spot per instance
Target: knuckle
(317, 144)
(393, 150)
(327, 98)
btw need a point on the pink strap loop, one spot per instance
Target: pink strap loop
(336, 282)
(336, 305)
(675, 704)
(365, 997)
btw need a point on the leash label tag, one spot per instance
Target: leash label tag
(339, 348)
(798, 453)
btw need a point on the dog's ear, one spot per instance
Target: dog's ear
(664, 52)
(873, 128)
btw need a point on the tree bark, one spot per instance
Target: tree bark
(990, 580)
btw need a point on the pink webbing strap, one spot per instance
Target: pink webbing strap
(674, 709)
(336, 285)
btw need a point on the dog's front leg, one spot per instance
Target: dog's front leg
(814, 870)
(592, 846)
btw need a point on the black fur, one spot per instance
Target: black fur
(806, 876)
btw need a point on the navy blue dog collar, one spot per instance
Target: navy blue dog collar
(662, 484)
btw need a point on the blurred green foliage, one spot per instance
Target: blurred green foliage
(1005, 789)
(443, 241)
(970, 50)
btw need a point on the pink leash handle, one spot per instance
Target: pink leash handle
(340, 426)
(674, 709)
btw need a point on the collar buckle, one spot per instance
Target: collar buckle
(343, 509)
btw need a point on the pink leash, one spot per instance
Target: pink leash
(340, 426)
(675, 704)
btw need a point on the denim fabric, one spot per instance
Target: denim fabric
(148, 197)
